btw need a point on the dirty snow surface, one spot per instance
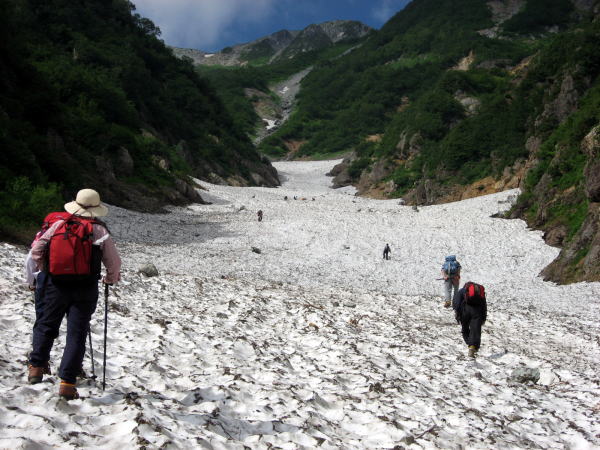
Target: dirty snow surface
(316, 341)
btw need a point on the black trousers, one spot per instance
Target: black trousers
(472, 319)
(53, 302)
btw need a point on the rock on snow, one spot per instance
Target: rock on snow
(316, 342)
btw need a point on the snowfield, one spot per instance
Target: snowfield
(316, 341)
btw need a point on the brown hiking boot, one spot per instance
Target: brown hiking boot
(472, 351)
(36, 374)
(67, 391)
(447, 304)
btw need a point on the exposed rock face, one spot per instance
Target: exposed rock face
(580, 260)
(282, 44)
(379, 171)
(408, 148)
(340, 173)
(339, 30)
(580, 256)
(502, 10)
(188, 191)
(565, 103)
(470, 104)
(465, 63)
(591, 147)
(125, 163)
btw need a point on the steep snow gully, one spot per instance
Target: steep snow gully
(316, 341)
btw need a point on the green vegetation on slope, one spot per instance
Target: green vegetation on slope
(79, 81)
(230, 82)
(561, 160)
(345, 100)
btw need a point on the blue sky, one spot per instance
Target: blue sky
(211, 25)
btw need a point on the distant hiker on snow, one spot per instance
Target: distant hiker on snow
(451, 276)
(260, 215)
(69, 253)
(386, 251)
(470, 309)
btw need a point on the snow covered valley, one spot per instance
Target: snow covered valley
(311, 339)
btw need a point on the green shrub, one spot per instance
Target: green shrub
(23, 206)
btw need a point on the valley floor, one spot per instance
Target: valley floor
(316, 341)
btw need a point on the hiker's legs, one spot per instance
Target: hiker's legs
(455, 286)
(82, 305)
(50, 310)
(447, 290)
(475, 328)
(465, 330)
(465, 323)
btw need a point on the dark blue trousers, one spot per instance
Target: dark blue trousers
(52, 302)
(472, 320)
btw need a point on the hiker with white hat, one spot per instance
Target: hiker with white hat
(68, 252)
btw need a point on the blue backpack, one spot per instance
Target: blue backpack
(451, 265)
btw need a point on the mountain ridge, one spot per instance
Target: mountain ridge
(280, 44)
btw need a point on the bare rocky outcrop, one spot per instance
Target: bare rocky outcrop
(563, 105)
(502, 10)
(465, 63)
(579, 258)
(341, 177)
(591, 146)
(370, 179)
(407, 147)
(470, 104)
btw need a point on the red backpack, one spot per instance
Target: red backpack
(474, 293)
(70, 254)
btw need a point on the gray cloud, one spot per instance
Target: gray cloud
(202, 23)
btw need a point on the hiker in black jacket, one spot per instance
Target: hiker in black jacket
(471, 312)
(386, 251)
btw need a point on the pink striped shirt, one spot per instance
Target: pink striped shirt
(110, 256)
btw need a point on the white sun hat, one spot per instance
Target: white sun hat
(87, 204)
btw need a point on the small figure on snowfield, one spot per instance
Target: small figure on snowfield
(451, 276)
(386, 251)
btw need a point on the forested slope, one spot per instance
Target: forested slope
(89, 96)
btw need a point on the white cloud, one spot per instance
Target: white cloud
(201, 23)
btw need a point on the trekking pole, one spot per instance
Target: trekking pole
(105, 332)
(92, 354)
